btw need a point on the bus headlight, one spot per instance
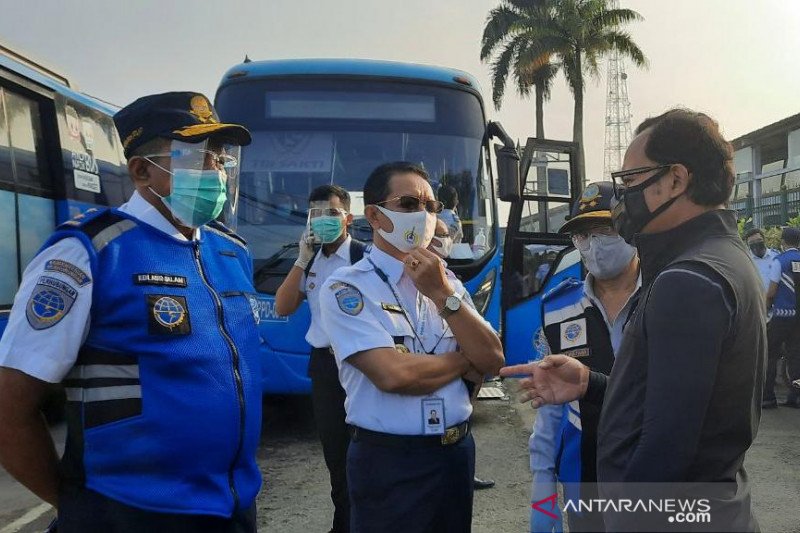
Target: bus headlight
(484, 293)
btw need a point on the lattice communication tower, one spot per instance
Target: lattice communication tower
(618, 111)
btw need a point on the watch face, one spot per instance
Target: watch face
(453, 302)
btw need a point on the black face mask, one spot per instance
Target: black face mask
(631, 214)
(759, 249)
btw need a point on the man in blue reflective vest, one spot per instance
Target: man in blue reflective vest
(145, 313)
(582, 319)
(783, 330)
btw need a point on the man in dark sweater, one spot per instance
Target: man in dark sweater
(682, 403)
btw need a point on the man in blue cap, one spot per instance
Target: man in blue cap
(783, 331)
(144, 314)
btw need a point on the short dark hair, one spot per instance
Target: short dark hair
(694, 140)
(448, 195)
(376, 188)
(754, 231)
(791, 236)
(324, 192)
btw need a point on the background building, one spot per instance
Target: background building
(767, 161)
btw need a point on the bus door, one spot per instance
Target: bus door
(536, 257)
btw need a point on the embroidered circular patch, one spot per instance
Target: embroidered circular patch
(572, 332)
(168, 312)
(350, 300)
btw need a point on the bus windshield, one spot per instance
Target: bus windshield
(310, 131)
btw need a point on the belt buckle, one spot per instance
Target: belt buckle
(451, 436)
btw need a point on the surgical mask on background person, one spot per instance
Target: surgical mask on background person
(327, 228)
(758, 248)
(411, 230)
(607, 255)
(197, 196)
(445, 246)
(630, 214)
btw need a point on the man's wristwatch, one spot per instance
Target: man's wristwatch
(451, 305)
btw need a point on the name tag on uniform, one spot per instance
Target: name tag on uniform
(573, 333)
(433, 416)
(795, 266)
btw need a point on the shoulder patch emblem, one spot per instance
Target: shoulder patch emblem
(349, 299)
(51, 301)
(168, 314)
(68, 269)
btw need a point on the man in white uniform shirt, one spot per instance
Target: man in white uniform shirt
(404, 342)
(329, 218)
(762, 256)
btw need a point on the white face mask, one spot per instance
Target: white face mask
(411, 230)
(607, 256)
(444, 249)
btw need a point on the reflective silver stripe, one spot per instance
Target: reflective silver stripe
(104, 371)
(566, 312)
(101, 394)
(102, 239)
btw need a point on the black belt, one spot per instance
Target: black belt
(452, 435)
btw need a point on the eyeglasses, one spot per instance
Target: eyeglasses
(201, 157)
(315, 212)
(582, 238)
(621, 183)
(412, 203)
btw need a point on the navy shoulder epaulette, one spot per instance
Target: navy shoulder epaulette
(565, 286)
(92, 221)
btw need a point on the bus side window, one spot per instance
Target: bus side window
(26, 189)
(8, 219)
(25, 129)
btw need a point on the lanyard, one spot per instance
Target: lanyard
(381, 274)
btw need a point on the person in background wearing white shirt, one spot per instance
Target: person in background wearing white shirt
(329, 217)
(760, 254)
(448, 195)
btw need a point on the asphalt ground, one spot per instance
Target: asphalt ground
(295, 496)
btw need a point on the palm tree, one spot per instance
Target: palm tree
(505, 36)
(578, 34)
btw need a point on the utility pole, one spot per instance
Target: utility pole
(618, 111)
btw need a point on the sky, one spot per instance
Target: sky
(734, 59)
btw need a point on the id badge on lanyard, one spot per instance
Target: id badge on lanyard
(433, 416)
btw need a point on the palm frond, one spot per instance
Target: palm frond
(500, 25)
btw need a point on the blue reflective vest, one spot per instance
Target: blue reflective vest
(785, 303)
(574, 326)
(164, 401)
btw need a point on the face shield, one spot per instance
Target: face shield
(325, 223)
(204, 181)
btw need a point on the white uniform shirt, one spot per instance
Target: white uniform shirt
(764, 265)
(450, 218)
(311, 285)
(359, 312)
(48, 354)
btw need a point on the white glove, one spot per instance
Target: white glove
(305, 250)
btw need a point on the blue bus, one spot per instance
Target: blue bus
(327, 121)
(59, 155)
